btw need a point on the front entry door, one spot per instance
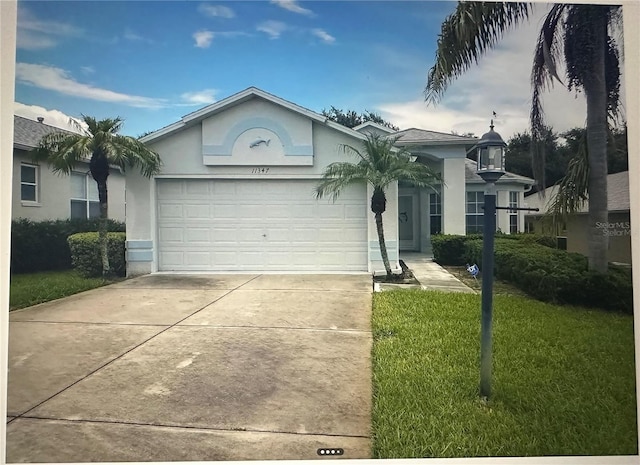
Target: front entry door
(408, 221)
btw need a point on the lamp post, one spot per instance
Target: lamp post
(490, 157)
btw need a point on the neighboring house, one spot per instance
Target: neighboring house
(576, 228)
(40, 194)
(236, 193)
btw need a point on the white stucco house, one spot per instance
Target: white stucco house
(236, 193)
(39, 194)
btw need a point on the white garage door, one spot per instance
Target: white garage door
(259, 225)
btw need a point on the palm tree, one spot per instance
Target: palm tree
(380, 164)
(579, 35)
(102, 146)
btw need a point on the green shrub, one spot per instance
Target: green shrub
(448, 249)
(555, 275)
(42, 246)
(85, 253)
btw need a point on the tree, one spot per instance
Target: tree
(102, 146)
(519, 160)
(380, 164)
(351, 119)
(578, 34)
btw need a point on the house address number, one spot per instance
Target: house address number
(259, 170)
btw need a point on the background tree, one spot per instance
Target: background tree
(519, 159)
(379, 164)
(579, 35)
(351, 119)
(102, 146)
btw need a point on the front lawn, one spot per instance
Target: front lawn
(34, 288)
(563, 378)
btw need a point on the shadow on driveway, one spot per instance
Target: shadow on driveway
(193, 367)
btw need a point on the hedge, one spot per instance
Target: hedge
(86, 257)
(42, 246)
(555, 275)
(449, 249)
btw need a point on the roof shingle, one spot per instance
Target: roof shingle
(27, 133)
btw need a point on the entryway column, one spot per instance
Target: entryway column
(453, 196)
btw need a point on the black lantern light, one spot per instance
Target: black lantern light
(490, 151)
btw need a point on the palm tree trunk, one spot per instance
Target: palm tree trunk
(596, 96)
(383, 246)
(102, 227)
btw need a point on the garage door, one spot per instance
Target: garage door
(259, 225)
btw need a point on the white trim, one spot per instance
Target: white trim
(238, 176)
(240, 97)
(35, 183)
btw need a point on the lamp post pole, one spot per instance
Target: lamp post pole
(490, 166)
(488, 234)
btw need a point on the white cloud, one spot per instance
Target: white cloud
(87, 69)
(54, 118)
(202, 97)
(37, 34)
(59, 80)
(292, 5)
(272, 28)
(216, 10)
(203, 38)
(327, 38)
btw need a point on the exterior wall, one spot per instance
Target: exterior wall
(141, 235)
(182, 157)
(619, 236)
(54, 193)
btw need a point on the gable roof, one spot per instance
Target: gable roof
(27, 133)
(370, 124)
(238, 98)
(472, 177)
(416, 136)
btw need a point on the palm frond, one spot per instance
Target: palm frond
(572, 188)
(466, 34)
(339, 175)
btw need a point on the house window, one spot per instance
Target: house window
(28, 182)
(513, 214)
(435, 214)
(475, 212)
(84, 197)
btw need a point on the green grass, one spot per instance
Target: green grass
(563, 378)
(35, 288)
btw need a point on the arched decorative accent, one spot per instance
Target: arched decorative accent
(226, 148)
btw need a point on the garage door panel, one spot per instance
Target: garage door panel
(254, 225)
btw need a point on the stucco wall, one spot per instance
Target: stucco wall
(618, 231)
(54, 193)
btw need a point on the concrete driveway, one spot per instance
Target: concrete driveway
(193, 367)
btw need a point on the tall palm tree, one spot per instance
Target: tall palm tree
(579, 35)
(102, 146)
(380, 164)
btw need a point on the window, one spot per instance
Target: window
(28, 182)
(435, 214)
(513, 214)
(84, 197)
(475, 212)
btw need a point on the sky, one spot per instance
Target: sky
(152, 62)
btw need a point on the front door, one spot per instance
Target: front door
(408, 221)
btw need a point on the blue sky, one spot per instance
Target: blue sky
(151, 62)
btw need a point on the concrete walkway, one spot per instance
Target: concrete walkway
(431, 275)
(193, 368)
